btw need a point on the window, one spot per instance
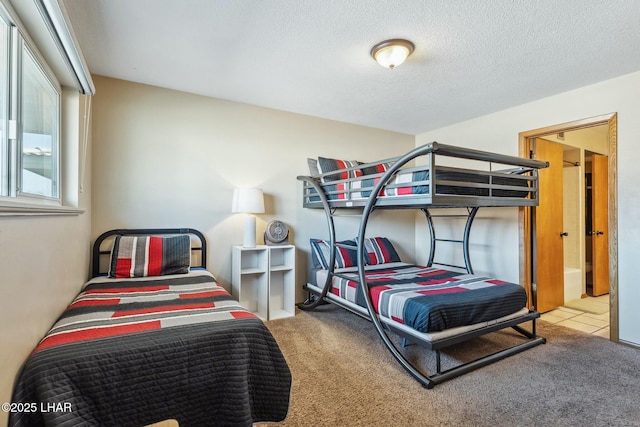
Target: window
(39, 136)
(30, 103)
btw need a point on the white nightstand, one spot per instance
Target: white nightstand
(263, 279)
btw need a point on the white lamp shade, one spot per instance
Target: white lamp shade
(247, 200)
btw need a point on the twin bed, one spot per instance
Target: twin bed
(157, 338)
(439, 304)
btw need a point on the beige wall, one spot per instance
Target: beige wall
(164, 158)
(494, 244)
(43, 263)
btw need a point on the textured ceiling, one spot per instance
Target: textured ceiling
(312, 57)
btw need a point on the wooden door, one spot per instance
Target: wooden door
(600, 221)
(549, 254)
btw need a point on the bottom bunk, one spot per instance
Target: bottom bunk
(434, 308)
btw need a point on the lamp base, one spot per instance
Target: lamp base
(249, 239)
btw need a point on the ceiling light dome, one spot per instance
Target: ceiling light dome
(391, 53)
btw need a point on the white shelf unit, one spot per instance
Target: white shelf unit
(263, 280)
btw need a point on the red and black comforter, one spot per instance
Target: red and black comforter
(132, 352)
(430, 299)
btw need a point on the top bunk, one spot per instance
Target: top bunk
(487, 179)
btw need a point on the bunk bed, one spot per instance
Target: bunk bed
(422, 179)
(156, 338)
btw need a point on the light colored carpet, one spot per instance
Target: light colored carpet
(588, 305)
(344, 376)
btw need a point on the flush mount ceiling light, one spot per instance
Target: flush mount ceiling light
(391, 53)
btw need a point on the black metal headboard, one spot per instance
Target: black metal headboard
(97, 252)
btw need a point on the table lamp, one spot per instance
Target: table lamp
(248, 201)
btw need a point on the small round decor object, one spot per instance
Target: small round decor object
(276, 233)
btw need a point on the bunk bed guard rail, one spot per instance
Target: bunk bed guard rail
(485, 183)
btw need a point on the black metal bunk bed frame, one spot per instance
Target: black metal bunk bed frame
(315, 196)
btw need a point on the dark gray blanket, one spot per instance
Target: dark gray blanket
(227, 372)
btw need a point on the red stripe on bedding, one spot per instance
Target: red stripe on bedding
(342, 165)
(496, 282)
(123, 267)
(405, 190)
(382, 191)
(121, 290)
(343, 175)
(433, 273)
(93, 333)
(397, 319)
(436, 281)
(155, 256)
(375, 296)
(163, 309)
(93, 302)
(242, 314)
(441, 291)
(203, 294)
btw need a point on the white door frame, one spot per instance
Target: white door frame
(524, 215)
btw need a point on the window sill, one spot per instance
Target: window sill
(28, 209)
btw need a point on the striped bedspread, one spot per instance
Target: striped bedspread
(432, 299)
(136, 351)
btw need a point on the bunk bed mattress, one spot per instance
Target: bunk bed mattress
(429, 299)
(136, 351)
(413, 183)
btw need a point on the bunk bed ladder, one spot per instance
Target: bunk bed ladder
(471, 214)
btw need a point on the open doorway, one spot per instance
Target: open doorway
(547, 247)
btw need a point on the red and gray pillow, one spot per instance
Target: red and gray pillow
(377, 168)
(345, 257)
(338, 190)
(325, 164)
(142, 256)
(335, 191)
(329, 165)
(379, 250)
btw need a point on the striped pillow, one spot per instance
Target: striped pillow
(313, 167)
(345, 257)
(379, 250)
(337, 190)
(141, 256)
(377, 168)
(329, 165)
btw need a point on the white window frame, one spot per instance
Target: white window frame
(12, 200)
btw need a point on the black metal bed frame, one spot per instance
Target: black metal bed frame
(98, 252)
(433, 200)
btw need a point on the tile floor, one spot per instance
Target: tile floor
(596, 324)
